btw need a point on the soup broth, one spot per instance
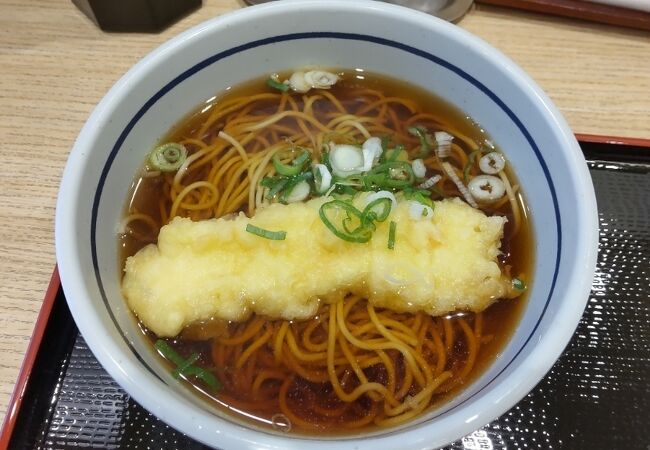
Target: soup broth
(275, 372)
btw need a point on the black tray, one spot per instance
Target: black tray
(597, 395)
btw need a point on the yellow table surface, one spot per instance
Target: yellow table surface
(55, 65)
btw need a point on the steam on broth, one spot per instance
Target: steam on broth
(368, 163)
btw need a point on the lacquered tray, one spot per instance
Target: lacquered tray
(597, 395)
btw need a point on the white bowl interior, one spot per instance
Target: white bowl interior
(428, 53)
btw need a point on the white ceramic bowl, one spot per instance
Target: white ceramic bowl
(250, 43)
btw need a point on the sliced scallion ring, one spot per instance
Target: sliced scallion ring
(382, 176)
(422, 196)
(419, 169)
(345, 160)
(322, 178)
(297, 192)
(443, 143)
(419, 211)
(382, 194)
(371, 151)
(492, 163)
(379, 208)
(168, 157)
(331, 214)
(486, 188)
(291, 185)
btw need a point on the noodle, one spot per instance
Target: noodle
(352, 365)
(371, 374)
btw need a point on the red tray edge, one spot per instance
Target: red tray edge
(15, 401)
(613, 140)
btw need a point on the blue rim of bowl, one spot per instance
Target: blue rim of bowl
(331, 35)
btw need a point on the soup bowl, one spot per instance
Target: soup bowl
(247, 44)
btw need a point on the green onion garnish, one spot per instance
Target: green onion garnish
(290, 169)
(186, 367)
(422, 196)
(518, 284)
(266, 234)
(425, 140)
(204, 375)
(168, 157)
(277, 85)
(344, 189)
(382, 176)
(378, 209)
(394, 153)
(352, 225)
(276, 187)
(470, 163)
(180, 370)
(391, 235)
(291, 183)
(350, 228)
(300, 160)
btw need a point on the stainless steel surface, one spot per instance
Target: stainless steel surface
(450, 10)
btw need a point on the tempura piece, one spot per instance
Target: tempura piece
(215, 268)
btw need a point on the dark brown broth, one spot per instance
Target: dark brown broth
(500, 320)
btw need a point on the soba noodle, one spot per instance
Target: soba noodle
(352, 365)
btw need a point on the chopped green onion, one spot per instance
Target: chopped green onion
(266, 234)
(269, 182)
(518, 284)
(205, 376)
(277, 187)
(186, 367)
(300, 160)
(277, 85)
(357, 226)
(394, 153)
(385, 204)
(297, 189)
(360, 234)
(380, 176)
(168, 352)
(425, 140)
(291, 183)
(168, 157)
(391, 235)
(180, 370)
(422, 196)
(470, 163)
(344, 189)
(296, 166)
